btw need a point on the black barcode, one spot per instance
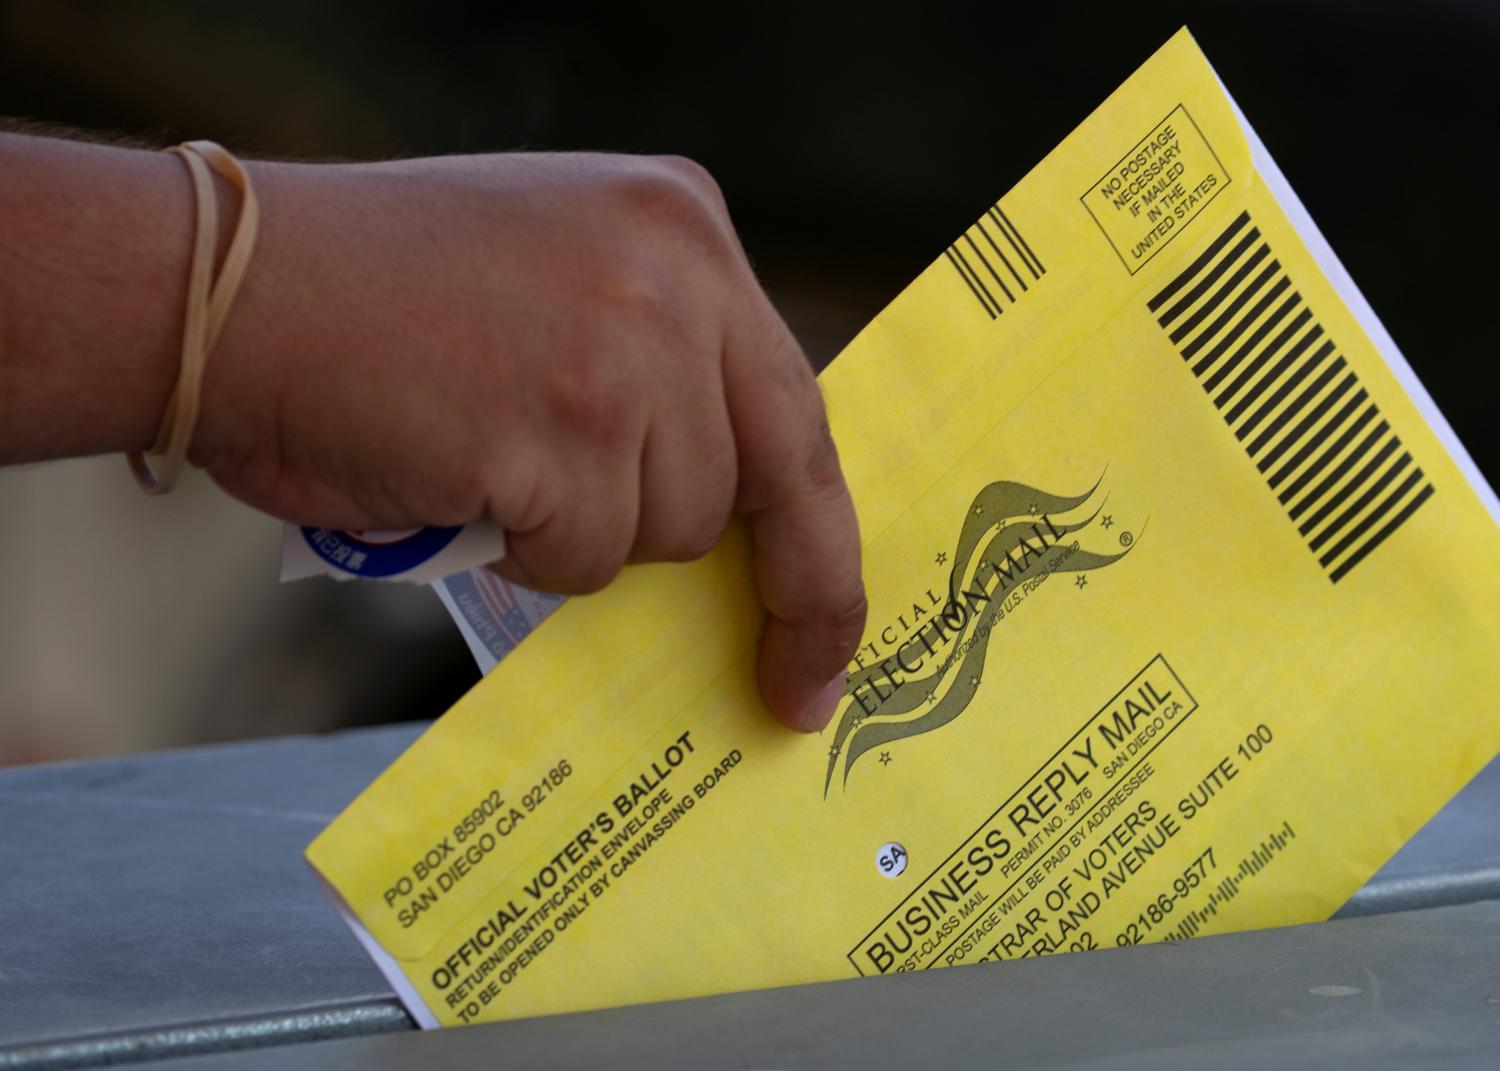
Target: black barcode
(995, 262)
(1332, 461)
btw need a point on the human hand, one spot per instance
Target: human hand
(570, 345)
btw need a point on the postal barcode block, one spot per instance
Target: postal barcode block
(995, 262)
(1333, 462)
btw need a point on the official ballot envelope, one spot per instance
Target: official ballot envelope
(1184, 616)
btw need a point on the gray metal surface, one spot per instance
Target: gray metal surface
(159, 904)
(1455, 859)
(1391, 991)
(277, 1028)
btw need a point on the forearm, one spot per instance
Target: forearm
(95, 243)
(572, 347)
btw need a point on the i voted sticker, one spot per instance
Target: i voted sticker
(367, 552)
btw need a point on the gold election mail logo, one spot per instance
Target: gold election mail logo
(926, 667)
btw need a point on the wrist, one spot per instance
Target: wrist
(97, 244)
(266, 324)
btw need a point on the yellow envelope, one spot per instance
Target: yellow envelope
(1184, 615)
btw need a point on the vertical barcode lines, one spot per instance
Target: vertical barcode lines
(1289, 398)
(996, 278)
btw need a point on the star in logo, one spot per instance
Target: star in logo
(1033, 509)
(942, 558)
(834, 751)
(1107, 521)
(978, 510)
(885, 758)
(859, 720)
(974, 681)
(1080, 580)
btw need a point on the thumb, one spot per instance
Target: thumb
(802, 527)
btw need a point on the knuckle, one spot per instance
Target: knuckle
(678, 195)
(692, 529)
(552, 569)
(521, 491)
(591, 578)
(845, 628)
(839, 633)
(697, 548)
(700, 535)
(589, 397)
(789, 372)
(833, 622)
(656, 190)
(823, 469)
(647, 310)
(680, 543)
(697, 177)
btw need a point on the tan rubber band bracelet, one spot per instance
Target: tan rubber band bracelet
(207, 307)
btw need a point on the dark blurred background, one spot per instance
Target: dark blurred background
(852, 143)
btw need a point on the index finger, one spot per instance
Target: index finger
(802, 523)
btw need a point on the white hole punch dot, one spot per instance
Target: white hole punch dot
(1335, 991)
(890, 860)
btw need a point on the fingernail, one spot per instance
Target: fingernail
(823, 707)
